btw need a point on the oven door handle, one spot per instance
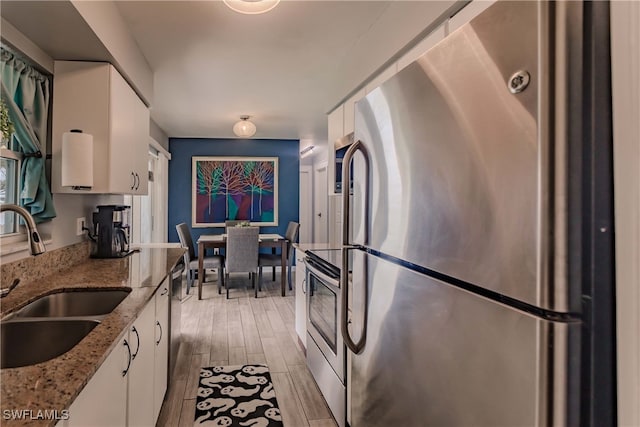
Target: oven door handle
(330, 282)
(355, 347)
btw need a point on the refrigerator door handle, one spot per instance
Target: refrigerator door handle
(355, 347)
(346, 201)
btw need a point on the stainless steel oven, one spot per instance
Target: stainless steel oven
(325, 348)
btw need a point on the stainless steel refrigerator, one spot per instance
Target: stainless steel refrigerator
(479, 231)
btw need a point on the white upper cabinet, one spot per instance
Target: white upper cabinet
(94, 97)
(129, 145)
(350, 111)
(421, 48)
(467, 13)
(381, 78)
(335, 125)
(335, 130)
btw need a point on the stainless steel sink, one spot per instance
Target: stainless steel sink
(74, 303)
(27, 342)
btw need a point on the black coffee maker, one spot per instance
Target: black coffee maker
(110, 232)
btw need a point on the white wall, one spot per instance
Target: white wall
(321, 153)
(625, 42)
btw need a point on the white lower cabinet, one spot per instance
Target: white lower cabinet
(103, 400)
(129, 387)
(161, 344)
(301, 300)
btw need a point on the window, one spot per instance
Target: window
(9, 177)
(26, 148)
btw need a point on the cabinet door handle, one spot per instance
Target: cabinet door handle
(126, 344)
(304, 286)
(133, 180)
(165, 291)
(137, 181)
(135, 331)
(159, 326)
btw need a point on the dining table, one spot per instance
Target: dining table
(213, 241)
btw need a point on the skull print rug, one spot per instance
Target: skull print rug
(236, 396)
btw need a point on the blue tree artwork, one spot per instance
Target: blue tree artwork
(234, 188)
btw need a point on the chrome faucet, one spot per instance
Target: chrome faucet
(36, 245)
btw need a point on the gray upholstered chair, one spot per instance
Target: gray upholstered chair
(275, 260)
(231, 223)
(191, 261)
(241, 254)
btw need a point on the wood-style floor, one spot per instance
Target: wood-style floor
(242, 329)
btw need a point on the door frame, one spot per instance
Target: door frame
(306, 209)
(320, 204)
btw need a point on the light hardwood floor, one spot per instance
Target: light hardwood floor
(243, 329)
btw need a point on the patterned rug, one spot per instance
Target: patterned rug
(236, 396)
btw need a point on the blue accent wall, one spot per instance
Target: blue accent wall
(180, 186)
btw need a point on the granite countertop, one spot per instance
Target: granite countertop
(53, 385)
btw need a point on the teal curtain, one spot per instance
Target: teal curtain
(25, 91)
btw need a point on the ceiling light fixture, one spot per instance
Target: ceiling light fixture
(251, 7)
(244, 128)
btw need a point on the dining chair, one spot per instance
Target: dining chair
(231, 223)
(241, 254)
(191, 261)
(275, 260)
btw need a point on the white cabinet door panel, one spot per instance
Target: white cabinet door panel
(301, 304)
(161, 343)
(103, 401)
(350, 111)
(140, 400)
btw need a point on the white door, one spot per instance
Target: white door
(320, 233)
(306, 205)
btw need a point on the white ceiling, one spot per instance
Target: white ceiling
(286, 68)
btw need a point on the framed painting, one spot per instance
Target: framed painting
(234, 188)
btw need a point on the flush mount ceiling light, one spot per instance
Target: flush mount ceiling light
(251, 7)
(244, 128)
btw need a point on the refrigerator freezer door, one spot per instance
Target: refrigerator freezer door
(460, 171)
(456, 359)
